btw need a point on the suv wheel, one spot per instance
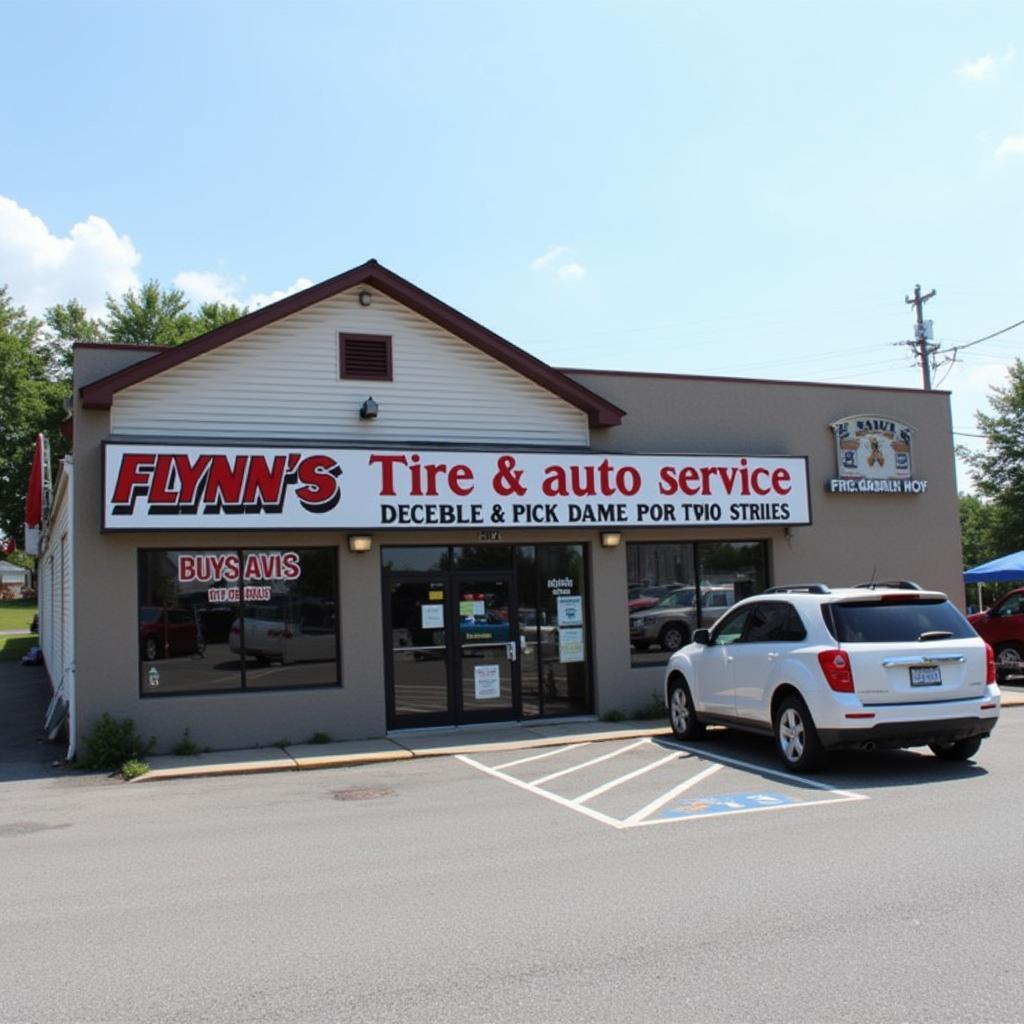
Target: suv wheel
(673, 636)
(796, 737)
(959, 750)
(1009, 660)
(683, 719)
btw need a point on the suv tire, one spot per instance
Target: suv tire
(959, 750)
(681, 715)
(796, 737)
(1009, 660)
(673, 636)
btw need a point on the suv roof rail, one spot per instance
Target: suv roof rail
(799, 588)
(893, 584)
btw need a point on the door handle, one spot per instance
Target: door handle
(511, 649)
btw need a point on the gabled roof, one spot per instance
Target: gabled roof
(600, 412)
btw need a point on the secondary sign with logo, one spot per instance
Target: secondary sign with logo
(874, 455)
(198, 487)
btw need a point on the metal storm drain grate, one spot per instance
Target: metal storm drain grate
(363, 793)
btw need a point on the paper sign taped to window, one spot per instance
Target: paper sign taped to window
(570, 645)
(487, 681)
(432, 616)
(570, 610)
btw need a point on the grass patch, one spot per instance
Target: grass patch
(13, 647)
(17, 614)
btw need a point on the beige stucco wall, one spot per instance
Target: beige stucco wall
(852, 536)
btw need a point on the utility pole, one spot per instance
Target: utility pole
(922, 334)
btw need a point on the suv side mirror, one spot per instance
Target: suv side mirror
(702, 636)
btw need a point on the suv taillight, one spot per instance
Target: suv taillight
(836, 666)
(990, 664)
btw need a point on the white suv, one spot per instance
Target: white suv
(821, 669)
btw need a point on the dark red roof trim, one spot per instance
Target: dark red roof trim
(747, 380)
(601, 412)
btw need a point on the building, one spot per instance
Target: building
(357, 511)
(14, 581)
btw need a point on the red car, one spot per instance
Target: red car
(165, 632)
(1003, 627)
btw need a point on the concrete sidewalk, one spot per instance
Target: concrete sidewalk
(406, 745)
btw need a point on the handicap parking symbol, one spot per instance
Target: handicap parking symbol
(729, 803)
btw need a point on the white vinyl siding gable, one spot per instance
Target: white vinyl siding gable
(283, 381)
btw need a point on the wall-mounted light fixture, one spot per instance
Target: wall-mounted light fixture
(611, 540)
(369, 409)
(359, 542)
(365, 297)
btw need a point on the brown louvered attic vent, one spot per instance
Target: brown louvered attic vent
(365, 356)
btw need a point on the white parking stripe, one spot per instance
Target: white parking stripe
(672, 794)
(537, 757)
(793, 780)
(554, 797)
(587, 764)
(625, 778)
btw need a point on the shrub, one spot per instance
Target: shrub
(185, 747)
(112, 743)
(613, 716)
(133, 769)
(319, 737)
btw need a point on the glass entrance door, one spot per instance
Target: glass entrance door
(420, 683)
(487, 648)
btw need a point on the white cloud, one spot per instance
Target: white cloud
(985, 68)
(258, 299)
(205, 286)
(571, 272)
(1012, 145)
(209, 286)
(41, 269)
(543, 262)
(553, 261)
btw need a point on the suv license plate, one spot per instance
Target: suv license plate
(929, 676)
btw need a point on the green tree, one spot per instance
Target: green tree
(212, 315)
(32, 402)
(975, 517)
(998, 470)
(151, 317)
(67, 324)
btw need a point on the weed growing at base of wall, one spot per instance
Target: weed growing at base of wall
(613, 716)
(185, 747)
(319, 737)
(112, 744)
(133, 769)
(653, 709)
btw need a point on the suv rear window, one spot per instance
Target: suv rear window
(894, 621)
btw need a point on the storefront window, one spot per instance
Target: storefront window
(675, 588)
(226, 620)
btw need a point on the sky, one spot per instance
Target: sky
(744, 189)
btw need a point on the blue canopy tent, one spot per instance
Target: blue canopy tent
(999, 570)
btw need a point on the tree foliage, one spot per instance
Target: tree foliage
(35, 369)
(32, 403)
(975, 521)
(998, 469)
